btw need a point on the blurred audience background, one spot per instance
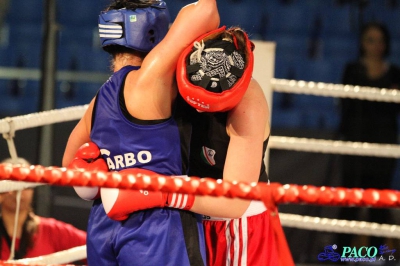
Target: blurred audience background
(316, 40)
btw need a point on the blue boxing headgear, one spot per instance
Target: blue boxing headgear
(140, 29)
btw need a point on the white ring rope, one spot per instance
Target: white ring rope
(276, 142)
(335, 90)
(14, 238)
(9, 137)
(62, 257)
(339, 226)
(6, 186)
(336, 147)
(43, 118)
(279, 85)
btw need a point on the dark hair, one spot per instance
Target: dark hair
(131, 4)
(29, 229)
(239, 35)
(383, 29)
(27, 240)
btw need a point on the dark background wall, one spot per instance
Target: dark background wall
(314, 40)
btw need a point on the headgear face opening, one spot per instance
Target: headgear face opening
(213, 74)
(140, 29)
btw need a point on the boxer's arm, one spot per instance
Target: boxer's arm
(157, 70)
(79, 135)
(248, 127)
(192, 21)
(120, 203)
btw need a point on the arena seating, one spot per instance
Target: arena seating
(314, 41)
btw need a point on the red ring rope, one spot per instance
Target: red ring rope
(275, 192)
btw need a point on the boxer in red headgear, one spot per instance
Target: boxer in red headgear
(215, 72)
(230, 132)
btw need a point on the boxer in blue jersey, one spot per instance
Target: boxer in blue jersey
(126, 142)
(135, 122)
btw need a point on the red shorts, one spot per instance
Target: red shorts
(244, 241)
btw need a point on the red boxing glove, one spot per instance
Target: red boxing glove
(88, 157)
(120, 203)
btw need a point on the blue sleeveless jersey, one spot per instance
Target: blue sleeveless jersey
(124, 144)
(155, 236)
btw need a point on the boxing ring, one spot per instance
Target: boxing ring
(273, 194)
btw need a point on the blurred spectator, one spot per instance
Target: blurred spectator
(35, 235)
(4, 4)
(369, 121)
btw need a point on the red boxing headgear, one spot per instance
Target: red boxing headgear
(212, 74)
